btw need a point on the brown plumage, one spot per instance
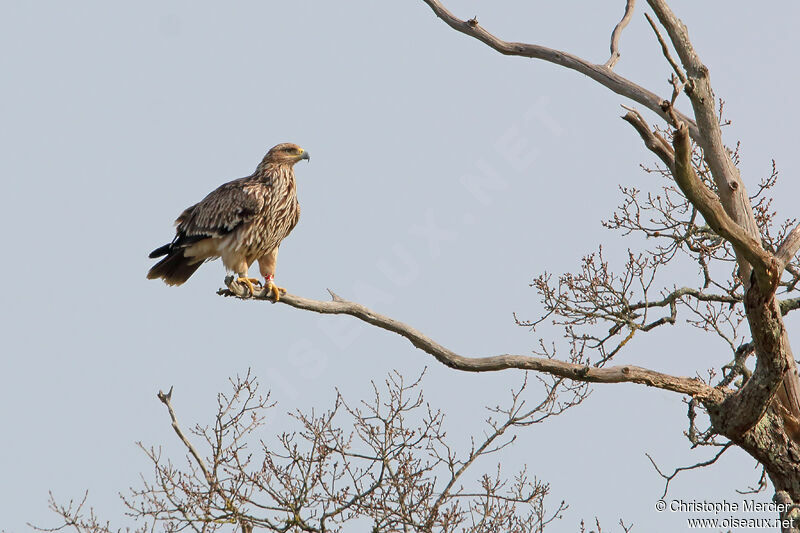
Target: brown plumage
(242, 221)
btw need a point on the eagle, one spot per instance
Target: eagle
(242, 221)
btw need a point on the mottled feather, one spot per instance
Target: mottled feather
(225, 209)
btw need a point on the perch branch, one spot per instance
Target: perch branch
(617, 374)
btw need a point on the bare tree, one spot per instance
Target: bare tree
(745, 257)
(384, 469)
(383, 462)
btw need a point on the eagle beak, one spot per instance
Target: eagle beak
(305, 156)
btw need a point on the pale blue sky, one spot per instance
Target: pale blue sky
(115, 117)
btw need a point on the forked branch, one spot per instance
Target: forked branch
(669, 477)
(709, 205)
(599, 73)
(732, 192)
(653, 141)
(678, 159)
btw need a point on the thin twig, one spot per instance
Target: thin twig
(665, 50)
(680, 469)
(760, 485)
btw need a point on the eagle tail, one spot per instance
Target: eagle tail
(174, 269)
(161, 250)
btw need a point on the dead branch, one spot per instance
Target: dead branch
(760, 316)
(729, 184)
(166, 399)
(652, 140)
(687, 291)
(618, 374)
(617, 33)
(599, 73)
(665, 50)
(737, 367)
(708, 204)
(679, 161)
(738, 224)
(789, 247)
(732, 194)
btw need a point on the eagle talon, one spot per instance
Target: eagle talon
(274, 290)
(248, 282)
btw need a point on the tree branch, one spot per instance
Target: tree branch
(712, 210)
(599, 73)
(665, 50)
(731, 189)
(654, 142)
(686, 291)
(735, 203)
(774, 371)
(617, 33)
(166, 399)
(772, 354)
(789, 304)
(618, 374)
(678, 470)
(789, 247)
(679, 161)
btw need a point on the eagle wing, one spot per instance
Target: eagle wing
(221, 212)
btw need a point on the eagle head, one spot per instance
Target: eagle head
(286, 154)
